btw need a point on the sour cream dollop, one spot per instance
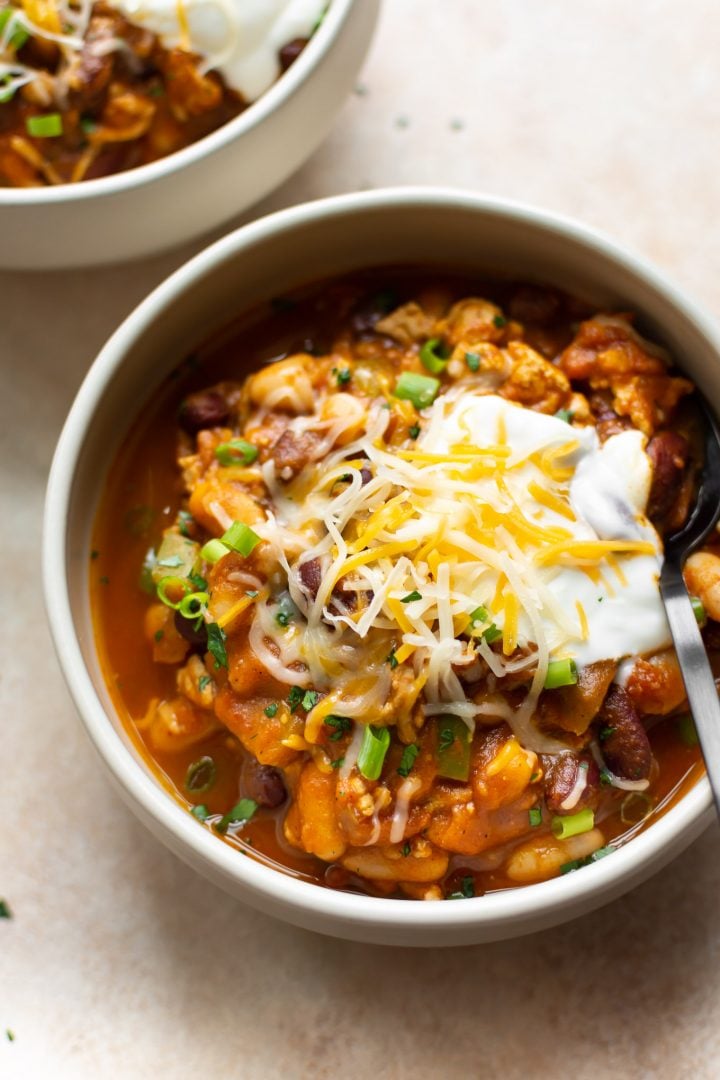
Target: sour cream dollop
(239, 38)
(608, 491)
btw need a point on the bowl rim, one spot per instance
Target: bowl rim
(547, 900)
(282, 89)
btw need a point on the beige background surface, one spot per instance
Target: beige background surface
(120, 961)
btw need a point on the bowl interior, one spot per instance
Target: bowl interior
(264, 260)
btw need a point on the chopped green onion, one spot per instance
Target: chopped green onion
(341, 725)
(216, 645)
(411, 596)
(453, 753)
(635, 807)
(241, 538)
(492, 633)
(173, 583)
(573, 824)
(561, 673)
(434, 356)
(699, 610)
(373, 749)
(200, 776)
(535, 816)
(564, 414)
(200, 812)
(191, 605)
(239, 815)
(10, 1035)
(19, 35)
(295, 697)
(686, 730)
(271, 710)
(214, 550)
(421, 390)
(480, 614)
(236, 452)
(407, 760)
(576, 864)
(472, 359)
(44, 127)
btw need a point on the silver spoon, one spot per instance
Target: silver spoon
(692, 658)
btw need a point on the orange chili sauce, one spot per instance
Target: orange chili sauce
(142, 496)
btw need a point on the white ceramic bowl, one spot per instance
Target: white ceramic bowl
(427, 226)
(172, 200)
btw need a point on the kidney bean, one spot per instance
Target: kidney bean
(668, 453)
(205, 409)
(311, 575)
(607, 421)
(265, 785)
(289, 53)
(186, 629)
(561, 775)
(623, 739)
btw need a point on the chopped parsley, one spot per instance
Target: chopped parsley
(10, 1035)
(200, 812)
(341, 725)
(499, 321)
(414, 595)
(472, 359)
(239, 815)
(407, 760)
(282, 618)
(216, 644)
(466, 890)
(310, 700)
(337, 763)
(342, 376)
(271, 710)
(203, 681)
(605, 733)
(5, 912)
(171, 561)
(252, 593)
(405, 849)
(564, 414)
(295, 697)
(606, 777)
(414, 431)
(576, 864)
(535, 816)
(198, 581)
(159, 635)
(392, 659)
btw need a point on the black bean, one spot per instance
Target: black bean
(265, 785)
(186, 628)
(290, 52)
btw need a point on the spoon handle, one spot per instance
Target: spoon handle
(696, 672)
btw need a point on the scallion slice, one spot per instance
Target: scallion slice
(434, 356)
(241, 538)
(372, 751)
(573, 824)
(236, 452)
(213, 551)
(172, 584)
(411, 597)
(44, 127)
(699, 610)
(535, 816)
(564, 414)
(200, 775)
(239, 815)
(191, 605)
(421, 390)
(561, 673)
(19, 35)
